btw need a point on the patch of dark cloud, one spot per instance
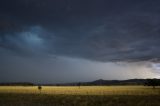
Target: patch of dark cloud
(27, 43)
(99, 30)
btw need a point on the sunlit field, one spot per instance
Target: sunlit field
(83, 90)
(79, 96)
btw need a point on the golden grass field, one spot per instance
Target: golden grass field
(83, 96)
(83, 90)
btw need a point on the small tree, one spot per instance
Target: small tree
(79, 84)
(39, 88)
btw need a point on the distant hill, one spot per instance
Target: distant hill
(118, 82)
(105, 82)
(92, 83)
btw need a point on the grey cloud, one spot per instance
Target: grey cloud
(102, 30)
(51, 41)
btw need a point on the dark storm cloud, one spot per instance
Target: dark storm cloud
(100, 30)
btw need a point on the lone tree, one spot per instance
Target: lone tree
(152, 82)
(39, 88)
(79, 84)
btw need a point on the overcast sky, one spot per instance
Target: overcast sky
(52, 41)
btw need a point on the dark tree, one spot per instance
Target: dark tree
(40, 88)
(79, 84)
(152, 82)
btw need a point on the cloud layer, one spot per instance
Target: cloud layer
(105, 30)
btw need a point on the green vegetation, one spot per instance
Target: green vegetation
(83, 96)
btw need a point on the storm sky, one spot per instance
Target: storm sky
(54, 41)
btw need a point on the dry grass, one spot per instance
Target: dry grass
(83, 90)
(13, 99)
(85, 96)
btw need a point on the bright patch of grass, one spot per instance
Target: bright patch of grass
(83, 90)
